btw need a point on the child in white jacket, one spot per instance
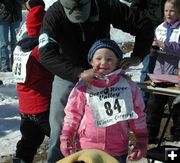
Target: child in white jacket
(103, 111)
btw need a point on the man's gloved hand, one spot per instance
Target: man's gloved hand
(66, 145)
(176, 100)
(89, 74)
(129, 61)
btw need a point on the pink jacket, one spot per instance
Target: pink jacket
(112, 139)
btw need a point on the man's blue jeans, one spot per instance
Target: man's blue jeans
(148, 67)
(60, 92)
(144, 72)
(145, 68)
(8, 32)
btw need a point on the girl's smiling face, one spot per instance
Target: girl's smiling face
(104, 61)
(170, 13)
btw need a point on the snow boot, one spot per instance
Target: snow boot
(18, 160)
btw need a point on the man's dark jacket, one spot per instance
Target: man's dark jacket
(64, 45)
(153, 9)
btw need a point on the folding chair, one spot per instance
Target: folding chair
(159, 153)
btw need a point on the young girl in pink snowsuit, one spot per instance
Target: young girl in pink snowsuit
(103, 111)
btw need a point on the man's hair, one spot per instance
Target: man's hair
(177, 5)
(170, 1)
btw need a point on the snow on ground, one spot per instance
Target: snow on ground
(9, 117)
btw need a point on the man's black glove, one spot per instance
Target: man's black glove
(176, 100)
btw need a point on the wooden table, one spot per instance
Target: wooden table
(168, 91)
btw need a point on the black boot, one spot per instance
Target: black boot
(175, 129)
(18, 160)
(172, 138)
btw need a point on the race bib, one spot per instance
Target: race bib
(22, 33)
(112, 104)
(19, 65)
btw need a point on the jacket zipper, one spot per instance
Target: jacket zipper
(83, 33)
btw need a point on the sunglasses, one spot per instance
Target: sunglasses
(77, 6)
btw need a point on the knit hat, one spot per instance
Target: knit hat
(34, 20)
(105, 43)
(33, 3)
(89, 156)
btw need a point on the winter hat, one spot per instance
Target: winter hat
(34, 20)
(77, 11)
(105, 43)
(33, 3)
